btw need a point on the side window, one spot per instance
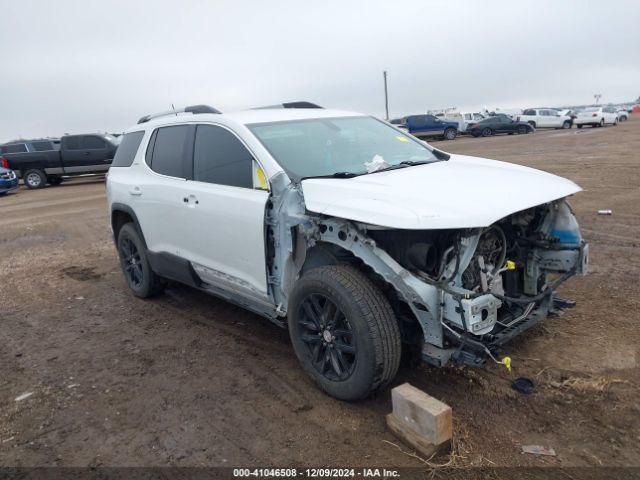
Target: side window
(15, 148)
(43, 146)
(168, 157)
(93, 143)
(127, 149)
(72, 143)
(220, 158)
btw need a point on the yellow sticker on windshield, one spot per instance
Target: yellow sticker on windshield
(402, 139)
(262, 181)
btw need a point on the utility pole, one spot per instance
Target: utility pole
(386, 95)
(597, 97)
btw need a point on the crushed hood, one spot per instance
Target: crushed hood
(462, 192)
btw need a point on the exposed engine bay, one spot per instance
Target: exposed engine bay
(492, 279)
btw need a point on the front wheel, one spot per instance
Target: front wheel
(522, 130)
(579, 125)
(487, 132)
(344, 332)
(450, 134)
(135, 264)
(566, 125)
(601, 123)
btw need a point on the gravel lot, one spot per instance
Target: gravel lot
(190, 380)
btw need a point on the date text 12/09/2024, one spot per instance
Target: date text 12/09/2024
(315, 473)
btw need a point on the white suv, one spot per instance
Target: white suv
(358, 237)
(545, 118)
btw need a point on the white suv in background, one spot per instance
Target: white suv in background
(597, 117)
(545, 118)
(354, 235)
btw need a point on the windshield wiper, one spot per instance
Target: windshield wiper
(404, 164)
(334, 175)
(412, 163)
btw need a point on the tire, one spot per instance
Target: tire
(615, 122)
(533, 124)
(450, 134)
(601, 124)
(522, 130)
(566, 124)
(623, 118)
(487, 132)
(366, 355)
(142, 281)
(34, 179)
(579, 125)
(475, 134)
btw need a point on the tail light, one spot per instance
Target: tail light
(4, 163)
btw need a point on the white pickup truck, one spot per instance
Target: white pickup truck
(545, 118)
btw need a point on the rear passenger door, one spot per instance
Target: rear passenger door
(224, 213)
(84, 154)
(157, 195)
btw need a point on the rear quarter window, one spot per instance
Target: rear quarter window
(127, 149)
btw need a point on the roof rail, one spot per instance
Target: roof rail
(301, 104)
(194, 109)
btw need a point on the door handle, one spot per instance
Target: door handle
(191, 201)
(135, 190)
(86, 154)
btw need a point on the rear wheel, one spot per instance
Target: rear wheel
(533, 124)
(601, 123)
(450, 134)
(135, 264)
(579, 125)
(34, 178)
(566, 124)
(487, 132)
(475, 133)
(344, 332)
(522, 130)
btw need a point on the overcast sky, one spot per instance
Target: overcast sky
(98, 66)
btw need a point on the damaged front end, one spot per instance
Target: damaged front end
(492, 283)
(459, 294)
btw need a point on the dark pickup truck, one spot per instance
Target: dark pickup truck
(43, 161)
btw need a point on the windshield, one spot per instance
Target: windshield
(328, 146)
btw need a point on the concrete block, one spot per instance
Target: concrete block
(420, 420)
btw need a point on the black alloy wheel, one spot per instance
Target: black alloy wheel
(328, 335)
(131, 263)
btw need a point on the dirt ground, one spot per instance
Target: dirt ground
(190, 380)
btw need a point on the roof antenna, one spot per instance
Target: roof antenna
(174, 109)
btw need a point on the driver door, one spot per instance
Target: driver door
(224, 209)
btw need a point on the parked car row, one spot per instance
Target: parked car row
(449, 124)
